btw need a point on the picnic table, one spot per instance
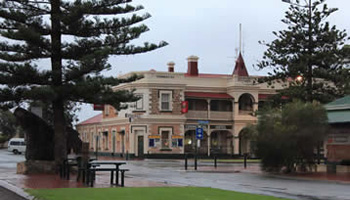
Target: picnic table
(102, 165)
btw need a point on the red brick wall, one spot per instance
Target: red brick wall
(336, 152)
(112, 112)
(154, 130)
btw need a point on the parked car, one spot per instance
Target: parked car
(17, 145)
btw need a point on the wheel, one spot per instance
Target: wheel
(15, 151)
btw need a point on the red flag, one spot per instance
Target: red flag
(184, 106)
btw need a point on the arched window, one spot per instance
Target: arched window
(246, 103)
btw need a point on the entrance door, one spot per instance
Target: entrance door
(140, 146)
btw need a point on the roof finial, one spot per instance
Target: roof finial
(240, 38)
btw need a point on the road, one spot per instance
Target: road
(172, 172)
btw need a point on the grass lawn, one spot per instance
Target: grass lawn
(157, 193)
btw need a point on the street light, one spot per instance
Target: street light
(309, 64)
(299, 79)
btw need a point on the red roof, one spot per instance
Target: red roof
(209, 75)
(92, 120)
(208, 95)
(240, 68)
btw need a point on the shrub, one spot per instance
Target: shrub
(345, 162)
(288, 137)
(3, 138)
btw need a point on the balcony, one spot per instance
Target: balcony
(221, 115)
(214, 115)
(197, 114)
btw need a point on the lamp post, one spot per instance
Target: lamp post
(309, 73)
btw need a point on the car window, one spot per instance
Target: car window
(15, 143)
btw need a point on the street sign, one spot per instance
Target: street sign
(199, 133)
(203, 122)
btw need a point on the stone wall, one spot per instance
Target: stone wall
(176, 103)
(36, 167)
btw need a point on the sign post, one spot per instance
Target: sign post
(199, 136)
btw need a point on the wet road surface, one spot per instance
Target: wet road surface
(171, 172)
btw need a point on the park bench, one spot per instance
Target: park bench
(66, 166)
(122, 171)
(91, 173)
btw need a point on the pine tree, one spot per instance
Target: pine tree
(311, 48)
(78, 37)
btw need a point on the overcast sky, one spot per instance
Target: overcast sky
(209, 30)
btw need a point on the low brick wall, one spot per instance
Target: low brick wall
(36, 167)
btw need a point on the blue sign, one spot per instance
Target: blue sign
(203, 122)
(199, 133)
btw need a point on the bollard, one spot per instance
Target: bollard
(185, 161)
(215, 161)
(127, 155)
(195, 162)
(245, 160)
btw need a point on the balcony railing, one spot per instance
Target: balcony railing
(221, 115)
(197, 114)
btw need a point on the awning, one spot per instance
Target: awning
(208, 95)
(342, 116)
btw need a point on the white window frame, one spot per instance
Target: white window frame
(139, 102)
(170, 100)
(170, 130)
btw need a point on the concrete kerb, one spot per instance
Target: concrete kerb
(304, 179)
(19, 191)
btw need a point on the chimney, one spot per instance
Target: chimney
(171, 66)
(192, 69)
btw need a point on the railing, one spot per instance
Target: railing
(221, 115)
(197, 114)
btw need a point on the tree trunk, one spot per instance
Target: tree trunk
(60, 150)
(60, 137)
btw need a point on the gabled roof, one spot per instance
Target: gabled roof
(340, 102)
(240, 69)
(93, 120)
(338, 111)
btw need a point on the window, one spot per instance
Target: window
(151, 143)
(177, 143)
(15, 143)
(165, 100)
(139, 103)
(105, 138)
(246, 103)
(106, 108)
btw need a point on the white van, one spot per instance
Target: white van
(17, 145)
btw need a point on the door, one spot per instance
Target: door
(140, 146)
